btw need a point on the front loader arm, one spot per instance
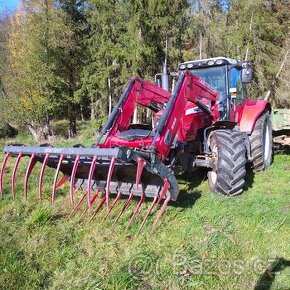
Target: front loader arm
(188, 88)
(137, 91)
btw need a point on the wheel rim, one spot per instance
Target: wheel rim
(213, 177)
(266, 142)
(213, 174)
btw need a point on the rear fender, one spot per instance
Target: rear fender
(250, 113)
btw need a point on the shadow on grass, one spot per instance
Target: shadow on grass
(281, 150)
(187, 197)
(249, 179)
(186, 200)
(268, 277)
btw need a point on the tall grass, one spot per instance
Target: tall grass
(204, 241)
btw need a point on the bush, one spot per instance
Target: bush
(7, 130)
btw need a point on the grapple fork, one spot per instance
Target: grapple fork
(115, 172)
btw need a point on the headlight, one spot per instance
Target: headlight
(219, 61)
(210, 62)
(190, 65)
(183, 66)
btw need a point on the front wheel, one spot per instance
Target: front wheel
(261, 142)
(229, 151)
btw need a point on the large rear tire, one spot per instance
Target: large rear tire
(228, 174)
(261, 142)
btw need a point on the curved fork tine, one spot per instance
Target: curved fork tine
(77, 206)
(160, 213)
(136, 211)
(91, 172)
(164, 190)
(148, 213)
(156, 200)
(62, 181)
(14, 173)
(7, 155)
(114, 203)
(126, 205)
(41, 176)
(140, 166)
(72, 179)
(112, 164)
(55, 178)
(97, 209)
(30, 166)
(95, 196)
(162, 209)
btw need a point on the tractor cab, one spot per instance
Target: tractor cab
(228, 76)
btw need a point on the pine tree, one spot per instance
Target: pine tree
(71, 55)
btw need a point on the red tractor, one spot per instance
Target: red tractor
(207, 121)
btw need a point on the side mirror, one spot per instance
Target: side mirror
(247, 73)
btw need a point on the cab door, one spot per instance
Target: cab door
(237, 91)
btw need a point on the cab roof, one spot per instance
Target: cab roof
(207, 62)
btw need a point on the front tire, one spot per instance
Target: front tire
(261, 142)
(229, 150)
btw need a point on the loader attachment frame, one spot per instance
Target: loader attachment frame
(133, 165)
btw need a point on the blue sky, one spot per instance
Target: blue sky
(8, 5)
(11, 5)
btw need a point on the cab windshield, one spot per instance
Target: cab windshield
(214, 76)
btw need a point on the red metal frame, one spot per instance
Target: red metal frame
(193, 92)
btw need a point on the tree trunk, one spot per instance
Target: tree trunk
(41, 133)
(92, 108)
(110, 96)
(82, 113)
(72, 130)
(72, 112)
(200, 45)
(277, 76)
(4, 94)
(250, 29)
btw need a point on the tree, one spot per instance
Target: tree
(255, 32)
(128, 38)
(30, 78)
(70, 55)
(4, 26)
(44, 63)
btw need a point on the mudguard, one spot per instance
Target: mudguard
(250, 113)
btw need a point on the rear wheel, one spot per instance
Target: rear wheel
(229, 151)
(261, 142)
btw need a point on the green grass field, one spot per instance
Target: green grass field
(204, 241)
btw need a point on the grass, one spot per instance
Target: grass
(204, 241)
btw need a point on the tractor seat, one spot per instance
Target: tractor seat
(133, 134)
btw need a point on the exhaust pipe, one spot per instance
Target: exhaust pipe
(165, 77)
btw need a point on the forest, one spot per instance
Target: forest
(69, 59)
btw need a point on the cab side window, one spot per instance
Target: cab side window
(236, 83)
